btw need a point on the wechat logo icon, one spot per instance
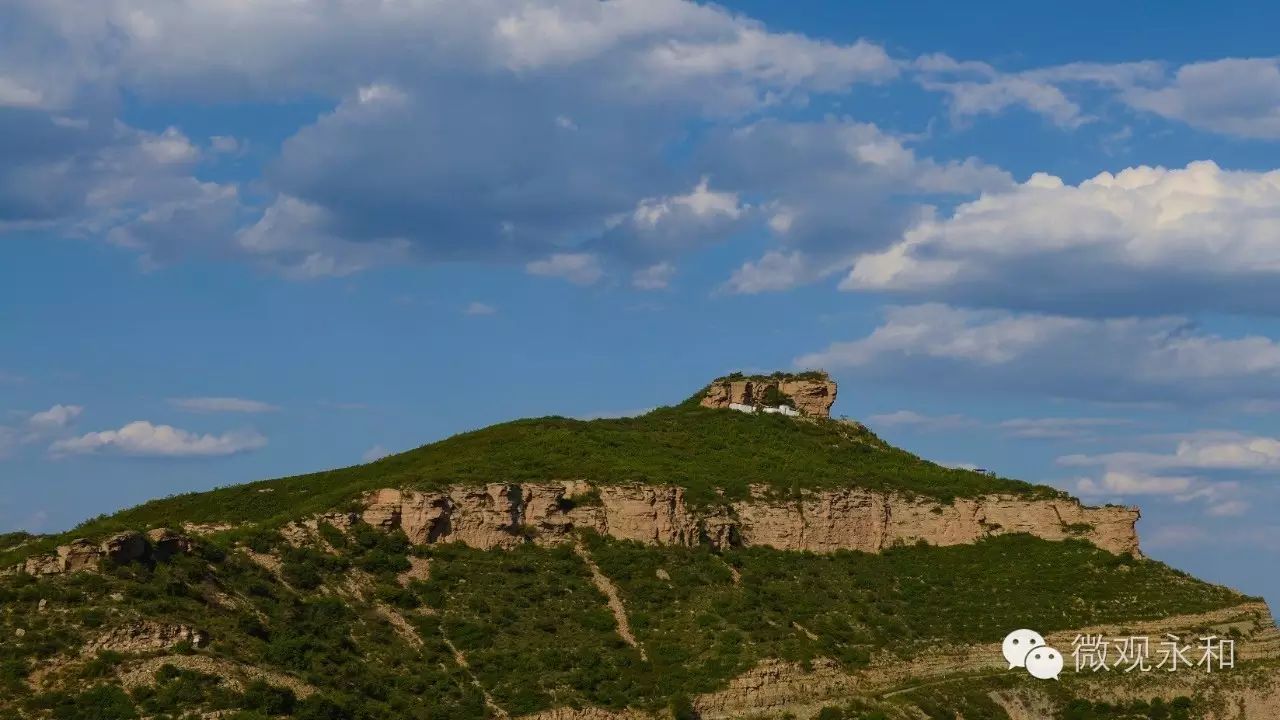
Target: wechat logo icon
(1027, 649)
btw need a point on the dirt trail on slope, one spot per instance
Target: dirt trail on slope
(606, 586)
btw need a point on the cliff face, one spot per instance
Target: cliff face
(813, 397)
(125, 547)
(502, 516)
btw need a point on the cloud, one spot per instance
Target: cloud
(1233, 96)
(479, 308)
(832, 190)
(222, 404)
(14, 95)
(654, 277)
(141, 438)
(910, 418)
(1239, 97)
(1059, 428)
(1115, 482)
(650, 47)
(1143, 240)
(1203, 450)
(1111, 360)
(1192, 471)
(96, 177)
(300, 241)
(1229, 508)
(89, 175)
(225, 144)
(55, 418)
(1217, 498)
(974, 88)
(774, 271)
(662, 227)
(38, 426)
(492, 132)
(1042, 428)
(377, 452)
(994, 92)
(1175, 536)
(577, 268)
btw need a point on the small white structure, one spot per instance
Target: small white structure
(779, 410)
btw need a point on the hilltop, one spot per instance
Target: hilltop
(694, 561)
(715, 456)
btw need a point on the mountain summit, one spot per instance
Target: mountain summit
(810, 393)
(708, 559)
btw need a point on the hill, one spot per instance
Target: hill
(715, 456)
(691, 562)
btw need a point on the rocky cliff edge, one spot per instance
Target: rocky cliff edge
(505, 515)
(811, 393)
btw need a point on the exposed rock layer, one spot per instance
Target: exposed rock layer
(504, 515)
(145, 636)
(121, 548)
(812, 397)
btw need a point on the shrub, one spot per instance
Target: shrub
(268, 699)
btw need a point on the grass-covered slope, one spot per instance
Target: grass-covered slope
(526, 630)
(700, 449)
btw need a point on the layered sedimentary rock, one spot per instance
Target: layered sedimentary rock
(812, 396)
(504, 515)
(145, 635)
(121, 548)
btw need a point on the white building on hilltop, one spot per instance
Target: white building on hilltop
(779, 410)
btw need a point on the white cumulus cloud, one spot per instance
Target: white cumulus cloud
(55, 418)
(1143, 239)
(1232, 96)
(141, 438)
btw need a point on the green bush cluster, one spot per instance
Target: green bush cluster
(1179, 708)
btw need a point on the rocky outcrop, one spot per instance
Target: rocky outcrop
(166, 543)
(483, 517)
(79, 555)
(145, 636)
(812, 394)
(506, 515)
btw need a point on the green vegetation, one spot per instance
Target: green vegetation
(702, 627)
(10, 539)
(773, 397)
(779, 376)
(534, 630)
(700, 449)
(1180, 708)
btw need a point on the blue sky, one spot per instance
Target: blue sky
(243, 240)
